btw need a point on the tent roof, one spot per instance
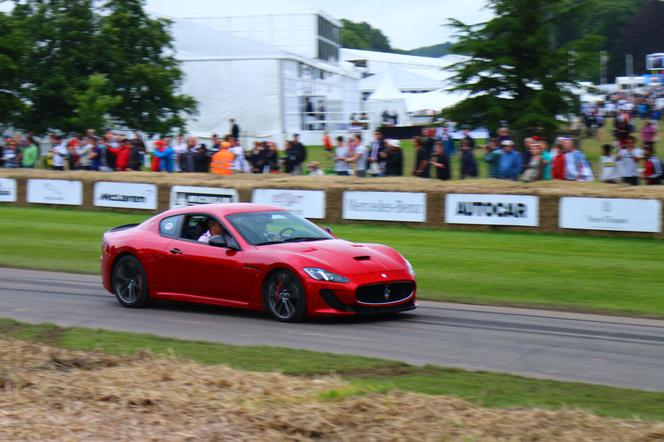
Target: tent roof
(387, 89)
(434, 100)
(194, 41)
(403, 79)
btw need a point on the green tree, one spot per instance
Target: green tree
(12, 44)
(61, 36)
(94, 104)
(139, 60)
(517, 72)
(361, 35)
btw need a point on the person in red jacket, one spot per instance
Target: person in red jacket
(155, 165)
(558, 162)
(653, 167)
(122, 153)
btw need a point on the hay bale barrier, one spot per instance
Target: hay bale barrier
(548, 192)
(49, 393)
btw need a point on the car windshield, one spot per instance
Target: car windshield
(262, 228)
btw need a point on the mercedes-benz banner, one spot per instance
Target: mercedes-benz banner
(7, 190)
(492, 210)
(63, 192)
(182, 196)
(615, 214)
(125, 195)
(385, 206)
(306, 203)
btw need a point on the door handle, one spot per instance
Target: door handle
(176, 251)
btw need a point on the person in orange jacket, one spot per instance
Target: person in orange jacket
(222, 161)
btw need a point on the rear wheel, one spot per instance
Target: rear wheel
(284, 297)
(130, 284)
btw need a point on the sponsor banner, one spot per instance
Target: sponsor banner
(182, 196)
(616, 214)
(63, 192)
(125, 195)
(493, 210)
(7, 190)
(306, 203)
(385, 206)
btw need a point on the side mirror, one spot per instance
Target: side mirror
(220, 241)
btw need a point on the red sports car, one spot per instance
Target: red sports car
(256, 257)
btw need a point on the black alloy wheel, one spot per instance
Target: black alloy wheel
(284, 297)
(130, 284)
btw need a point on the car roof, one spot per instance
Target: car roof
(223, 209)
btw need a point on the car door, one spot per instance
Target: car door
(199, 269)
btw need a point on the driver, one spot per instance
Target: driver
(214, 229)
(258, 226)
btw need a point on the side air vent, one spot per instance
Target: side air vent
(362, 258)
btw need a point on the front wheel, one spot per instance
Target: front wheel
(130, 284)
(284, 297)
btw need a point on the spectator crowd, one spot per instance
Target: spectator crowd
(627, 159)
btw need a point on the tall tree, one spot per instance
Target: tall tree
(62, 55)
(12, 44)
(140, 65)
(642, 35)
(518, 71)
(94, 104)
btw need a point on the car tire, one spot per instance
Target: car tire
(284, 297)
(130, 284)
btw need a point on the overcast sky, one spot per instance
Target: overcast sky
(408, 24)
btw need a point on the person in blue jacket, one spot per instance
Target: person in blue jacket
(511, 163)
(164, 152)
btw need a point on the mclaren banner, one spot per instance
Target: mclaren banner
(615, 214)
(125, 195)
(182, 196)
(385, 206)
(492, 210)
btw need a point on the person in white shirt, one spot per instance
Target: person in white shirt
(341, 158)
(608, 169)
(359, 157)
(240, 164)
(629, 159)
(315, 170)
(214, 229)
(179, 148)
(59, 152)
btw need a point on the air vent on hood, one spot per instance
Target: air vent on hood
(362, 258)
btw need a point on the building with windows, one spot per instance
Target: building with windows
(276, 75)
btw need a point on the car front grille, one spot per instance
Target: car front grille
(384, 293)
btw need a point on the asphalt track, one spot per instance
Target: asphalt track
(588, 348)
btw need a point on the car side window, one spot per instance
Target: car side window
(194, 227)
(169, 226)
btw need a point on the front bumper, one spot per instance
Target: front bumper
(341, 299)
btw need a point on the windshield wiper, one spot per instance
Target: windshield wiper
(266, 243)
(305, 238)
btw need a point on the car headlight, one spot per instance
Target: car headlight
(411, 270)
(324, 275)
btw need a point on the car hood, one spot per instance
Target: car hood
(344, 257)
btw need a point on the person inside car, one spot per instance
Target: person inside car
(215, 229)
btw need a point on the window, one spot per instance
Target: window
(262, 228)
(169, 226)
(200, 228)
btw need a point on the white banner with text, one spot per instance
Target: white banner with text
(614, 214)
(125, 195)
(63, 192)
(7, 190)
(492, 210)
(306, 203)
(385, 206)
(182, 196)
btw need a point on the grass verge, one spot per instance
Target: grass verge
(615, 275)
(366, 375)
